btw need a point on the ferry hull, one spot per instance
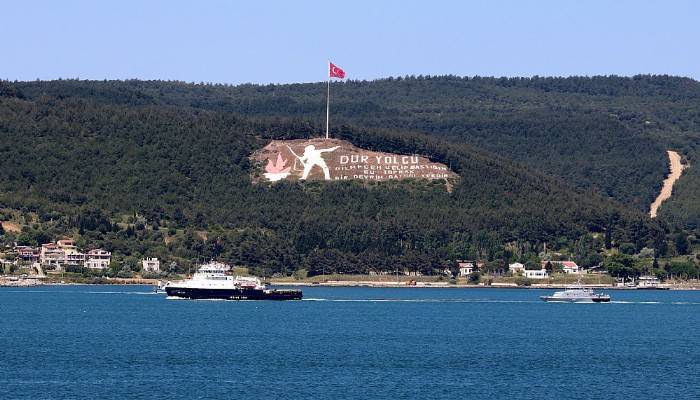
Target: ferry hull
(232, 294)
(551, 299)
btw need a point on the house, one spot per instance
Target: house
(51, 256)
(28, 253)
(465, 268)
(66, 244)
(568, 267)
(516, 268)
(71, 255)
(73, 258)
(150, 265)
(98, 259)
(61, 254)
(409, 272)
(536, 274)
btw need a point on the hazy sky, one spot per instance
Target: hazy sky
(290, 41)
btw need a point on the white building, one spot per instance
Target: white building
(568, 267)
(73, 257)
(516, 268)
(648, 282)
(150, 265)
(216, 265)
(536, 274)
(98, 259)
(61, 254)
(465, 268)
(51, 255)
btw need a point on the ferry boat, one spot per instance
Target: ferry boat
(577, 294)
(211, 281)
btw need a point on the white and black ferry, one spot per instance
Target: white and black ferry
(211, 281)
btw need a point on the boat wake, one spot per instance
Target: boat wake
(139, 293)
(636, 302)
(494, 301)
(419, 300)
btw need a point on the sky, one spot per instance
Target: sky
(292, 41)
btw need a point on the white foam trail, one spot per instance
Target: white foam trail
(148, 293)
(420, 300)
(78, 291)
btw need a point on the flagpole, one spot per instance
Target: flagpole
(328, 98)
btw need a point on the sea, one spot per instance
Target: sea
(126, 342)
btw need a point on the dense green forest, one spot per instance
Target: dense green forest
(162, 169)
(608, 134)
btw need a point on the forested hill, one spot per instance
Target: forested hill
(608, 134)
(153, 168)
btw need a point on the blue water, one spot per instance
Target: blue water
(103, 342)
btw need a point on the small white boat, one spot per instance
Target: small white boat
(577, 294)
(160, 287)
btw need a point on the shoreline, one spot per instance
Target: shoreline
(35, 281)
(445, 285)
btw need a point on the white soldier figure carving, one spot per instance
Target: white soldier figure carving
(312, 157)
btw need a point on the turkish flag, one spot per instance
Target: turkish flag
(335, 71)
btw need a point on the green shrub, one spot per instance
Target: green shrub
(522, 281)
(475, 277)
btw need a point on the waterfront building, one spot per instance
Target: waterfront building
(648, 281)
(51, 256)
(59, 255)
(150, 265)
(536, 274)
(568, 267)
(73, 258)
(465, 268)
(98, 259)
(28, 253)
(516, 268)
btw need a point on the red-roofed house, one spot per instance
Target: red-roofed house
(465, 267)
(568, 267)
(28, 253)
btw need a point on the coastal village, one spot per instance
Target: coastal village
(58, 257)
(31, 265)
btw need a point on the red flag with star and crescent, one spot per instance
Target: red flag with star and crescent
(335, 71)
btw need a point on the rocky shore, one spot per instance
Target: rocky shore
(14, 281)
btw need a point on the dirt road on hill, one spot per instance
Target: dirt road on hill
(667, 189)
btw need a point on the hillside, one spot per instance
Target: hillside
(141, 177)
(607, 134)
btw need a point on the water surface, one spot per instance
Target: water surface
(67, 342)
